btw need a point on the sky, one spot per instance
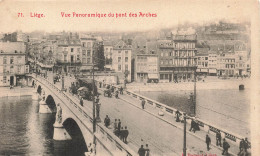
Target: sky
(169, 13)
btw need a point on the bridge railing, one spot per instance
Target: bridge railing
(102, 133)
(209, 127)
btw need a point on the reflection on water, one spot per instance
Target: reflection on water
(229, 109)
(24, 131)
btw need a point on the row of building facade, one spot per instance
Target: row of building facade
(176, 58)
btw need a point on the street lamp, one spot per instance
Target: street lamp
(184, 135)
(194, 100)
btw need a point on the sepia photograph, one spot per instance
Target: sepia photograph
(129, 78)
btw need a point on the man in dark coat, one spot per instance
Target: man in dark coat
(143, 103)
(218, 139)
(107, 121)
(208, 141)
(121, 90)
(246, 145)
(141, 151)
(226, 146)
(241, 145)
(119, 124)
(124, 133)
(192, 125)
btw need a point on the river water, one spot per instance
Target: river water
(225, 108)
(24, 131)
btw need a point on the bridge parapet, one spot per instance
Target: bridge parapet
(105, 138)
(209, 127)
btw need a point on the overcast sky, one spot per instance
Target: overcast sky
(169, 13)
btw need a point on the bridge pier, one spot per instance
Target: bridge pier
(60, 132)
(43, 108)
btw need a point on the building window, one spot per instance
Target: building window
(5, 60)
(126, 59)
(161, 76)
(78, 57)
(83, 44)
(119, 52)
(119, 67)
(84, 53)
(11, 60)
(126, 53)
(4, 79)
(119, 59)
(126, 67)
(170, 54)
(4, 70)
(88, 60)
(19, 69)
(88, 54)
(12, 69)
(71, 50)
(88, 44)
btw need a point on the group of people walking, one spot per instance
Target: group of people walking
(243, 146)
(119, 130)
(144, 151)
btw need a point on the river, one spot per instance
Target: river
(225, 108)
(24, 131)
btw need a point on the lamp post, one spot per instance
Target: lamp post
(194, 100)
(184, 135)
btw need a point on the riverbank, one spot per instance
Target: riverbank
(16, 91)
(208, 84)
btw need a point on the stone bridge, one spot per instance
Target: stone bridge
(70, 112)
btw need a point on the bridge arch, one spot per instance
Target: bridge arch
(51, 103)
(78, 139)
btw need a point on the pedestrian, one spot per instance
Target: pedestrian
(226, 146)
(121, 90)
(246, 145)
(119, 124)
(147, 150)
(192, 126)
(218, 139)
(125, 134)
(141, 151)
(177, 113)
(107, 121)
(81, 101)
(241, 146)
(208, 141)
(143, 103)
(116, 94)
(115, 126)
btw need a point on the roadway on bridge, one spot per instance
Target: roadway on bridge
(162, 137)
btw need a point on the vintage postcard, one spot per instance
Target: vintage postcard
(129, 78)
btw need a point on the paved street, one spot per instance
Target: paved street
(163, 134)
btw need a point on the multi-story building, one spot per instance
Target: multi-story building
(108, 50)
(121, 59)
(212, 64)
(226, 64)
(69, 54)
(146, 68)
(87, 44)
(12, 63)
(241, 56)
(177, 58)
(202, 63)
